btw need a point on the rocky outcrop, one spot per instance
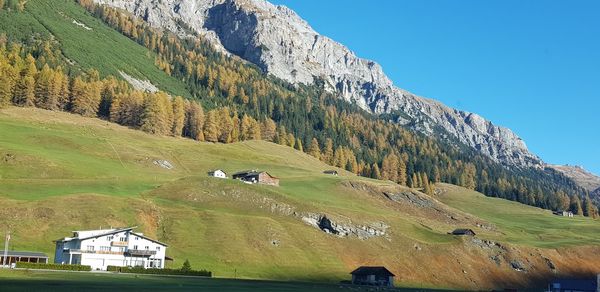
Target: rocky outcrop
(281, 43)
(344, 228)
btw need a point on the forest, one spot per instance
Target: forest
(234, 101)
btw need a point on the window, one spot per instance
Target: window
(147, 247)
(110, 237)
(158, 248)
(135, 247)
(136, 238)
(90, 248)
(122, 239)
(105, 248)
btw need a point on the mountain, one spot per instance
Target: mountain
(281, 43)
(584, 178)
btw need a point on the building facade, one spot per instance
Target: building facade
(110, 247)
(217, 173)
(373, 276)
(564, 213)
(257, 177)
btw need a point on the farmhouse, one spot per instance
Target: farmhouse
(563, 213)
(217, 173)
(110, 247)
(23, 256)
(463, 232)
(373, 276)
(257, 177)
(331, 172)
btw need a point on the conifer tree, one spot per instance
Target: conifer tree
(85, 97)
(255, 133)
(268, 129)
(211, 129)
(414, 182)
(298, 145)
(235, 131)
(194, 122)
(589, 210)
(225, 125)
(401, 172)
(157, 114)
(375, 173)
(314, 150)
(328, 152)
(8, 79)
(25, 91)
(178, 116)
(245, 126)
(43, 97)
(291, 140)
(576, 205)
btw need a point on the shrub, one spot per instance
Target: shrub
(141, 270)
(41, 266)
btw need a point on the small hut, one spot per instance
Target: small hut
(373, 276)
(463, 232)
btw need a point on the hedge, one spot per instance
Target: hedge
(141, 270)
(41, 266)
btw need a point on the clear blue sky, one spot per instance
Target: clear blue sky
(532, 66)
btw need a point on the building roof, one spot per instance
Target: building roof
(213, 171)
(148, 238)
(462, 231)
(363, 271)
(251, 173)
(577, 284)
(26, 254)
(109, 232)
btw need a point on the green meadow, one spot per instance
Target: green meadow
(61, 172)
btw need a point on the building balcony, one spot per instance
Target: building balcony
(79, 251)
(119, 243)
(135, 252)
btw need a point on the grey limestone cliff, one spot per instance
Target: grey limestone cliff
(281, 43)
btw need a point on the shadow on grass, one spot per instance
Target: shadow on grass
(64, 281)
(33, 281)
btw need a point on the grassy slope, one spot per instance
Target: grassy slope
(101, 48)
(525, 225)
(61, 172)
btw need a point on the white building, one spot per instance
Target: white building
(110, 247)
(217, 173)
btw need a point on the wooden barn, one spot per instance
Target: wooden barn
(257, 177)
(463, 232)
(331, 172)
(373, 276)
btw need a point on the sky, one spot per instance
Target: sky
(531, 66)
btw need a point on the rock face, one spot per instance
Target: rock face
(281, 43)
(582, 177)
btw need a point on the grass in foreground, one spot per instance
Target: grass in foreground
(27, 280)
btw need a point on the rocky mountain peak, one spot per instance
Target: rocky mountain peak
(281, 43)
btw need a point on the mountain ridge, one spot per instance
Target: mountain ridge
(281, 43)
(583, 177)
